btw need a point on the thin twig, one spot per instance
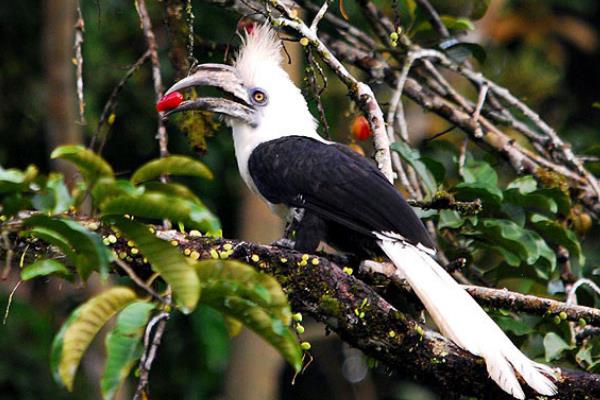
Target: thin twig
(79, 29)
(313, 69)
(140, 6)
(151, 344)
(9, 256)
(462, 157)
(138, 281)
(190, 17)
(111, 103)
(10, 299)
(436, 21)
(315, 23)
(572, 294)
(477, 113)
(396, 114)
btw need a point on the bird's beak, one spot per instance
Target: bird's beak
(220, 76)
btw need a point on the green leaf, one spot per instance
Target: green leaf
(475, 171)
(508, 256)
(12, 180)
(554, 346)
(80, 329)
(108, 188)
(176, 269)
(124, 346)
(172, 189)
(523, 191)
(514, 325)
(480, 182)
(172, 165)
(462, 24)
(450, 219)
(524, 184)
(253, 298)
(413, 157)
(160, 206)
(557, 234)
(514, 212)
(546, 263)
(233, 277)
(52, 237)
(44, 268)
(562, 200)
(260, 321)
(84, 247)
(406, 12)
(91, 165)
(512, 237)
(55, 197)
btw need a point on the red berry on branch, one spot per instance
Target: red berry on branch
(360, 128)
(169, 102)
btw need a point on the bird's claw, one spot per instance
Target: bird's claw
(284, 243)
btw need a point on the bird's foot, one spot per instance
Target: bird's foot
(284, 243)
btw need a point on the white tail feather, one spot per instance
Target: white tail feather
(461, 319)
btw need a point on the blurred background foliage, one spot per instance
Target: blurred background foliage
(546, 52)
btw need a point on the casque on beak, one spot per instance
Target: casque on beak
(220, 76)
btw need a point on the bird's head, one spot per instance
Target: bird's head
(260, 98)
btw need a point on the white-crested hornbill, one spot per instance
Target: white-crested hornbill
(341, 198)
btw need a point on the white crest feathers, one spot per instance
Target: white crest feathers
(260, 50)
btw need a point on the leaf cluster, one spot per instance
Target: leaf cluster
(240, 293)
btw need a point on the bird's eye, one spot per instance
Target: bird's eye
(259, 97)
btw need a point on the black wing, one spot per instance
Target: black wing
(335, 183)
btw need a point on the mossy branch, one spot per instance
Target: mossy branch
(319, 285)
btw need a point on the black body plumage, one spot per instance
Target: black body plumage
(345, 197)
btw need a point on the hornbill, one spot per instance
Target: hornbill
(341, 198)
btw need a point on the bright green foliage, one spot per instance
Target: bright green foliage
(244, 281)
(124, 346)
(176, 269)
(13, 179)
(83, 247)
(480, 181)
(44, 268)
(54, 198)
(172, 165)
(520, 223)
(20, 190)
(91, 165)
(109, 188)
(80, 329)
(554, 346)
(588, 356)
(413, 157)
(158, 206)
(255, 299)
(173, 189)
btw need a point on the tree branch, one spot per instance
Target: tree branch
(318, 285)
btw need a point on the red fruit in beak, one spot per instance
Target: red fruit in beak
(169, 102)
(360, 128)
